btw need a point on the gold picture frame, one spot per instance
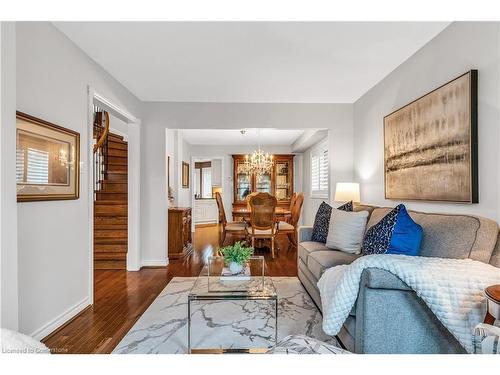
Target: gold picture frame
(185, 175)
(47, 160)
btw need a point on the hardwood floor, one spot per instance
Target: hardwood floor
(121, 297)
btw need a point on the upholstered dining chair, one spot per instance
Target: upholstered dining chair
(235, 228)
(262, 218)
(290, 228)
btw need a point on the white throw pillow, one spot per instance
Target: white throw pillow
(346, 231)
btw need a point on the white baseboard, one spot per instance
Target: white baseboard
(51, 326)
(154, 263)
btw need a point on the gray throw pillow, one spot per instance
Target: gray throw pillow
(346, 230)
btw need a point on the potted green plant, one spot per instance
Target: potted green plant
(236, 256)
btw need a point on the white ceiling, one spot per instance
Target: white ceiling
(252, 137)
(250, 62)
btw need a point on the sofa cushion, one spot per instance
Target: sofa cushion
(307, 247)
(451, 235)
(319, 261)
(346, 230)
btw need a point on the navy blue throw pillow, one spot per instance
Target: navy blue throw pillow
(322, 221)
(396, 233)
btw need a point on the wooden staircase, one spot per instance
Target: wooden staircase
(110, 206)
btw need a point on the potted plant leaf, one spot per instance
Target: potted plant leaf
(236, 256)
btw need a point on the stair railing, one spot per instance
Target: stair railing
(100, 148)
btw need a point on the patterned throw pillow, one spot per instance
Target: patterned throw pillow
(322, 220)
(396, 233)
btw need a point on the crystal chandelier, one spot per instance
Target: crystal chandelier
(259, 163)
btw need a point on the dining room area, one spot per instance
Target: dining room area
(248, 185)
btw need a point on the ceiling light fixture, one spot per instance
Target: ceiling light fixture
(259, 163)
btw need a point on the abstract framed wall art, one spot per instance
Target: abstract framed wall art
(431, 145)
(47, 160)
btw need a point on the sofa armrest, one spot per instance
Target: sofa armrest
(385, 308)
(485, 339)
(305, 233)
(377, 278)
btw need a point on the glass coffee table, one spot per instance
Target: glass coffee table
(212, 286)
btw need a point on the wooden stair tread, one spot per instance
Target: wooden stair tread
(110, 247)
(114, 135)
(110, 264)
(117, 168)
(117, 139)
(112, 192)
(111, 202)
(111, 256)
(116, 152)
(117, 144)
(106, 181)
(117, 172)
(98, 226)
(110, 241)
(110, 233)
(112, 195)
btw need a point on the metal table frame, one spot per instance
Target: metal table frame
(221, 297)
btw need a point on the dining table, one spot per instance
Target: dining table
(243, 213)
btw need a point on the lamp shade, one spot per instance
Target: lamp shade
(347, 191)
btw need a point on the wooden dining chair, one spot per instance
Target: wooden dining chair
(235, 228)
(263, 218)
(290, 228)
(292, 202)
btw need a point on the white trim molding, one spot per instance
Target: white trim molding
(56, 323)
(109, 106)
(154, 263)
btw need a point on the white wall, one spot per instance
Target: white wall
(118, 126)
(459, 48)
(53, 237)
(8, 204)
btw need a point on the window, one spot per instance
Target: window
(206, 183)
(203, 180)
(319, 170)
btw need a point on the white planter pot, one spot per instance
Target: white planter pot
(235, 268)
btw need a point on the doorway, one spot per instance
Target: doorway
(125, 174)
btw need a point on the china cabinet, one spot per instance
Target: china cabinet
(278, 183)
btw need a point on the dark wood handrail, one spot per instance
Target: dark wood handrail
(104, 134)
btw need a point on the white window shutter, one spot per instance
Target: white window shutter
(319, 171)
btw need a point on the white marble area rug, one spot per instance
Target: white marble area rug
(162, 329)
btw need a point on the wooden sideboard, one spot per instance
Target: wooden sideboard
(179, 232)
(278, 183)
